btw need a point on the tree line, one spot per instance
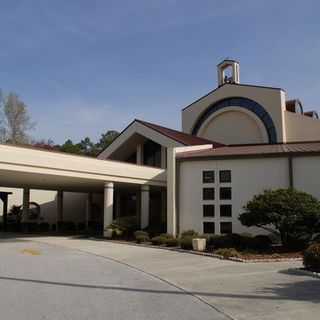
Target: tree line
(16, 124)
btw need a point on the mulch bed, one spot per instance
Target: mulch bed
(277, 256)
(284, 255)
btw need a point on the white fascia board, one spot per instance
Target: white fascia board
(194, 148)
(26, 160)
(138, 128)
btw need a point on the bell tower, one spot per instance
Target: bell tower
(228, 72)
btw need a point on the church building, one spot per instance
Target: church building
(236, 141)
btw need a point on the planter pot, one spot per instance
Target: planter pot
(108, 233)
(199, 244)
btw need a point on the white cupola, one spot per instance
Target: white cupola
(228, 72)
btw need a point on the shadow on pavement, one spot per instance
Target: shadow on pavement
(308, 290)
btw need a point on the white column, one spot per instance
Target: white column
(108, 204)
(140, 153)
(25, 203)
(59, 206)
(171, 192)
(145, 205)
(163, 157)
(88, 209)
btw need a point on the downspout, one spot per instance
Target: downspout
(290, 168)
(178, 195)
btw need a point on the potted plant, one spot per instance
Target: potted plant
(199, 244)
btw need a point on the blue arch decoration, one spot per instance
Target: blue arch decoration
(241, 102)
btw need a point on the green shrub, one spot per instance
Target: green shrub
(156, 229)
(172, 242)
(44, 227)
(227, 252)
(141, 233)
(141, 236)
(311, 257)
(220, 241)
(292, 214)
(240, 242)
(158, 241)
(261, 243)
(166, 235)
(186, 242)
(188, 233)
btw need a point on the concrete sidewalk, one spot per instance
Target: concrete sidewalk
(241, 290)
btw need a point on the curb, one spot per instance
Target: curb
(304, 272)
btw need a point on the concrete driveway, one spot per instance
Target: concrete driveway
(92, 279)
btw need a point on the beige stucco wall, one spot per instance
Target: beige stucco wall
(301, 128)
(74, 204)
(249, 177)
(306, 174)
(273, 100)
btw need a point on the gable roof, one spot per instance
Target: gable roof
(181, 137)
(164, 136)
(231, 84)
(254, 150)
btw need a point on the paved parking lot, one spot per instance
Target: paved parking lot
(92, 279)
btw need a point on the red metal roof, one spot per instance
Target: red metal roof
(254, 150)
(181, 137)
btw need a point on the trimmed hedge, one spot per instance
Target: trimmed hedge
(240, 242)
(172, 242)
(165, 239)
(186, 242)
(141, 236)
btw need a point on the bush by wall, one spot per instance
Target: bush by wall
(158, 241)
(186, 242)
(240, 242)
(172, 242)
(141, 236)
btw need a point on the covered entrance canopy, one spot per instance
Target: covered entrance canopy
(30, 168)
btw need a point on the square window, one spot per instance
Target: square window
(208, 194)
(208, 210)
(225, 193)
(225, 176)
(208, 227)
(225, 227)
(226, 210)
(208, 176)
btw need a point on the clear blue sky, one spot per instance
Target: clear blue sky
(84, 67)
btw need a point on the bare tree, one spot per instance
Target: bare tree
(16, 121)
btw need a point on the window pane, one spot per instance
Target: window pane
(226, 227)
(208, 194)
(208, 176)
(225, 176)
(208, 227)
(225, 193)
(208, 210)
(226, 210)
